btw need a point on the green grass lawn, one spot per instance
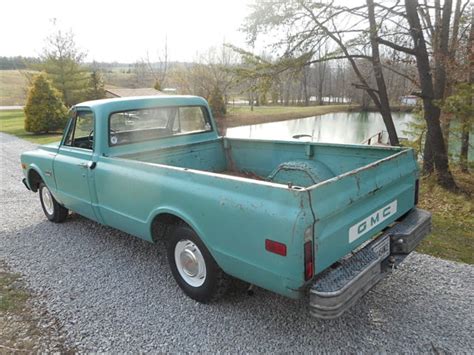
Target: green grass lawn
(453, 219)
(12, 122)
(272, 110)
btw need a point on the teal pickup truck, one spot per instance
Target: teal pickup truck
(301, 219)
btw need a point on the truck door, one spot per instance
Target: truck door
(73, 166)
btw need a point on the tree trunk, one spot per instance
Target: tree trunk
(431, 111)
(305, 86)
(379, 78)
(449, 63)
(466, 120)
(445, 120)
(428, 159)
(322, 75)
(442, 57)
(463, 157)
(365, 101)
(287, 92)
(320, 92)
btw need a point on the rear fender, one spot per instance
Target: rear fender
(177, 213)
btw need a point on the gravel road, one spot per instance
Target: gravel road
(113, 292)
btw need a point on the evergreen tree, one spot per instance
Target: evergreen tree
(44, 111)
(96, 89)
(460, 105)
(62, 61)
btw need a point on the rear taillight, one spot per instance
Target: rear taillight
(308, 260)
(417, 188)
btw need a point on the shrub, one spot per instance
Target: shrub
(44, 111)
(217, 103)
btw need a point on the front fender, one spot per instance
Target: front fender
(41, 162)
(28, 176)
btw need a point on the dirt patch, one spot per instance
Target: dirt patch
(24, 327)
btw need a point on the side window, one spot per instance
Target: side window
(81, 131)
(69, 134)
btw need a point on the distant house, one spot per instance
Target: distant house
(126, 92)
(409, 100)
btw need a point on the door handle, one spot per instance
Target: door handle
(89, 165)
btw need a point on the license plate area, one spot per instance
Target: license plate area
(381, 247)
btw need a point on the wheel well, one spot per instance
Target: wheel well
(162, 223)
(34, 179)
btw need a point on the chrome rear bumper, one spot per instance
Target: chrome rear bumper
(338, 288)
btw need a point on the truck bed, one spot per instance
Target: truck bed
(294, 163)
(345, 183)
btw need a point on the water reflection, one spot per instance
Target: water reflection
(340, 127)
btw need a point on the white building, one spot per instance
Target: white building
(409, 100)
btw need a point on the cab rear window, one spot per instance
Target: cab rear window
(134, 126)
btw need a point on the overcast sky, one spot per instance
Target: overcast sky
(123, 31)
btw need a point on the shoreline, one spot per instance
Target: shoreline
(236, 119)
(246, 118)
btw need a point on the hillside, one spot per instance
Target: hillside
(13, 87)
(14, 84)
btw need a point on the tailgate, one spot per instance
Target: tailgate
(354, 207)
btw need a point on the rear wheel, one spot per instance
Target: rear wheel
(51, 208)
(193, 267)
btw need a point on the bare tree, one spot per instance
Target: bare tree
(432, 86)
(321, 70)
(158, 69)
(384, 104)
(210, 76)
(308, 26)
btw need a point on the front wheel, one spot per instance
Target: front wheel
(193, 267)
(51, 208)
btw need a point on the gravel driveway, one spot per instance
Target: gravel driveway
(111, 291)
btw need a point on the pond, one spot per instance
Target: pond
(339, 127)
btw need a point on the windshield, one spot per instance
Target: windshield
(134, 126)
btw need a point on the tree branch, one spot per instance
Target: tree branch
(396, 46)
(426, 18)
(413, 81)
(339, 42)
(364, 87)
(326, 59)
(391, 9)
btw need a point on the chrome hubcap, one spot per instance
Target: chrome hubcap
(190, 263)
(47, 200)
